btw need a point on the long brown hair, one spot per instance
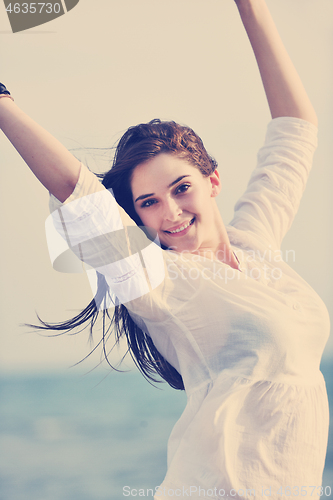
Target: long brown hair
(139, 144)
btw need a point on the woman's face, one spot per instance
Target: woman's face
(173, 197)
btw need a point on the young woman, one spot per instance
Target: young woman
(209, 308)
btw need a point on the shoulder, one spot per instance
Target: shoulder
(87, 183)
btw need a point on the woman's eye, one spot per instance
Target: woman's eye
(148, 203)
(182, 188)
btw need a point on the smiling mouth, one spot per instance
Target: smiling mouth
(181, 228)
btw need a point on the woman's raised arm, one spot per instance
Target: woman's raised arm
(56, 168)
(284, 90)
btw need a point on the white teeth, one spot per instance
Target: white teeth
(182, 227)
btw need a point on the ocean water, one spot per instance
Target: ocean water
(71, 437)
(68, 437)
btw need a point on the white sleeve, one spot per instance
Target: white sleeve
(91, 227)
(271, 200)
(87, 183)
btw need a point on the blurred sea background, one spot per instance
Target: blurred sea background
(72, 437)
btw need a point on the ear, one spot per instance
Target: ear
(215, 183)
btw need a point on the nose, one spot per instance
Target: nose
(172, 210)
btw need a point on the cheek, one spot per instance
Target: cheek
(195, 201)
(148, 218)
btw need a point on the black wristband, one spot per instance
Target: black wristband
(3, 89)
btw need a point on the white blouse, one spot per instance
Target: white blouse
(248, 342)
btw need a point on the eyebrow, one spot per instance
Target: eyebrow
(144, 196)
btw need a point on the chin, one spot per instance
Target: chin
(183, 247)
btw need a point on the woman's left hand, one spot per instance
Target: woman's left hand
(284, 90)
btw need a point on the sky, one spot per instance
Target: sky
(104, 66)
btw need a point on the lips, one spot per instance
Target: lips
(181, 228)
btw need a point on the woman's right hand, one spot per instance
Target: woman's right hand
(56, 168)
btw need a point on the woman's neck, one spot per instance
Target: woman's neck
(219, 247)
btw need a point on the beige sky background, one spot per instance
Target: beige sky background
(107, 65)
